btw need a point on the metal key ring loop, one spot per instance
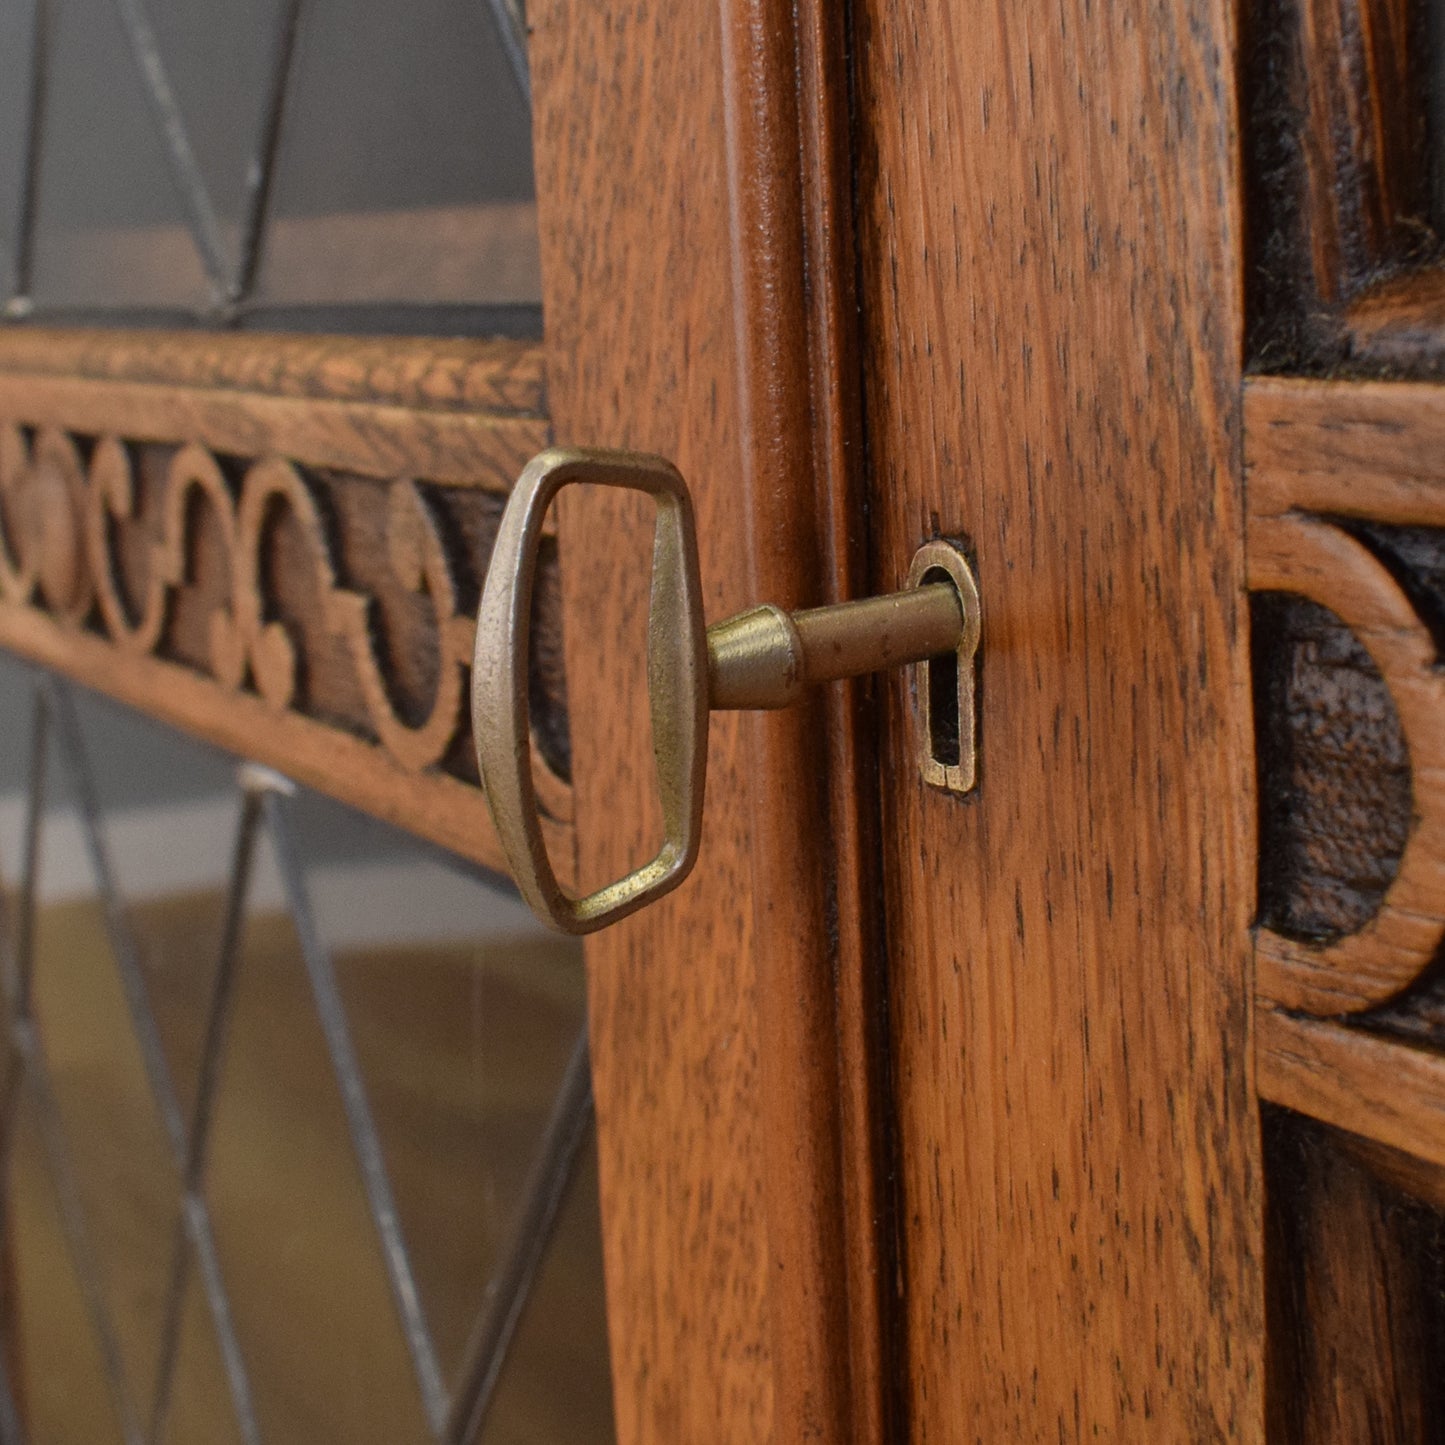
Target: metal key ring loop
(677, 669)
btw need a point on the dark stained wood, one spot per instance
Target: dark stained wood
(1398, 325)
(1338, 173)
(1356, 1288)
(1051, 291)
(271, 563)
(1403, 1172)
(789, 204)
(1334, 772)
(1364, 159)
(1346, 492)
(1318, 560)
(1346, 498)
(850, 724)
(678, 322)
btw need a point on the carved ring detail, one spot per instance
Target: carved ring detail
(1301, 554)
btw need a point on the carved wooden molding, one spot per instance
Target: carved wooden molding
(1320, 455)
(223, 532)
(499, 377)
(1305, 555)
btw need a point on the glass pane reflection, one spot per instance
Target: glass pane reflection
(368, 1088)
(110, 226)
(464, 1016)
(314, 164)
(405, 162)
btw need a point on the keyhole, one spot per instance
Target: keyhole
(944, 730)
(945, 700)
(944, 725)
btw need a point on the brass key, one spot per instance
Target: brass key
(761, 658)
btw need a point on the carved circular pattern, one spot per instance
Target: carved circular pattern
(58, 534)
(17, 579)
(1314, 559)
(51, 504)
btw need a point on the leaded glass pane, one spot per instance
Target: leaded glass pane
(109, 228)
(220, 63)
(17, 41)
(51, 1317)
(320, 164)
(551, 1387)
(404, 167)
(198, 1409)
(314, 1315)
(305, 1114)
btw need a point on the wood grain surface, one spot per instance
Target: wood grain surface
(677, 210)
(853, 902)
(1346, 496)
(1051, 291)
(1369, 449)
(1398, 324)
(1312, 557)
(791, 234)
(485, 375)
(278, 545)
(1381, 1088)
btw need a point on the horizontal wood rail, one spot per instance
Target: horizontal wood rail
(1380, 1088)
(277, 544)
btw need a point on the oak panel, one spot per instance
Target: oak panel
(496, 376)
(1357, 1261)
(1370, 449)
(1338, 152)
(1051, 287)
(1332, 467)
(701, 147)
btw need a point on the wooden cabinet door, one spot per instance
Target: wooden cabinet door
(1055, 1110)
(1004, 1185)
(692, 166)
(982, 1145)
(1053, 308)
(973, 1156)
(1049, 1111)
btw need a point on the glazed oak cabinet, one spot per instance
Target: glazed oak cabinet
(1094, 1093)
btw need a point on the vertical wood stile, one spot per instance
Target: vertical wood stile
(687, 177)
(1051, 287)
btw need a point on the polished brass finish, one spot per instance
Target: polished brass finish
(761, 658)
(676, 672)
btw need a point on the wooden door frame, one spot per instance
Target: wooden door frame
(696, 199)
(693, 175)
(1052, 268)
(692, 171)
(692, 322)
